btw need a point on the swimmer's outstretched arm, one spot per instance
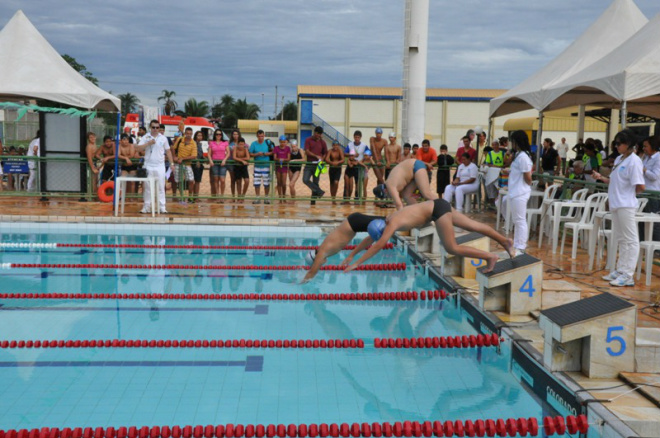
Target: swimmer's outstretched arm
(361, 247)
(387, 233)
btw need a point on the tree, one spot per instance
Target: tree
(241, 109)
(169, 104)
(290, 111)
(129, 103)
(192, 108)
(80, 69)
(221, 109)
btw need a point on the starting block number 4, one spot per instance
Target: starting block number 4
(528, 286)
(619, 339)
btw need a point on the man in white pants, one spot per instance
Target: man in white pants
(466, 181)
(155, 147)
(33, 151)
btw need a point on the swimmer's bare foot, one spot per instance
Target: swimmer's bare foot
(492, 259)
(509, 247)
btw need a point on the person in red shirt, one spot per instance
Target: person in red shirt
(316, 150)
(428, 155)
(466, 149)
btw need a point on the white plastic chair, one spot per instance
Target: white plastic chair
(646, 250)
(467, 202)
(548, 197)
(594, 203)
(572, 215)
(641, 204)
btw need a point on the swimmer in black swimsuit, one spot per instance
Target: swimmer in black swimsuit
(445, 218)
(339, 238)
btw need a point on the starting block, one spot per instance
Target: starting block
(595, 335)
(426, 239)
(457, 266)
(514, 286)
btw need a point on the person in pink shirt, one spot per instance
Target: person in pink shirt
(218, 154)
(281, 156)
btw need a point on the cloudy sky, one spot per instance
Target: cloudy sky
(245, 48)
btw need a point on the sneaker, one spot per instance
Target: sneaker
(611, 276)
(256, 202)
(163, 211)
(266, 201)
(623, 280)
(145, 210)
(518, 252)
(321, 193)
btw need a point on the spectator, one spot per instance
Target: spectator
(198, 164)
(470, 134)
(428, 155)
(142, 131)
(294, 167)
(126, 155)
(362, 157)
(282, 156)
(576, 173)
(186, 151)
(625, 182)
(260, 153)
(155, 147)
(651, 163)
(562, 150)
(315, 150)
(106, 153)
(494, 158)
(592, 161)
(415, 148)
(466, 148)
(578, 149)
(466, 181)
(218, 154)
(392, 154)
(550, 161)
(233, 141)
(33, 151)
(520, 189)
(241, 157)
(336, 161)
(90, 153)
(376, 145)
(407, 152)
(445, 161)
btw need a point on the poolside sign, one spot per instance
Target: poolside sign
(14, 165)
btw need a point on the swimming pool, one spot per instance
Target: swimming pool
(99, 386)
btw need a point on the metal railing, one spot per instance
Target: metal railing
(330, 131)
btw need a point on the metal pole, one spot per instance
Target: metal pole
(539, 141)
(624, 114)
(114, 193)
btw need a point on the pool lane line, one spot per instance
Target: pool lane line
(372, 267)
(435, 295)
(489, 427)
(190, 343)
(259, 309)
(389, 245)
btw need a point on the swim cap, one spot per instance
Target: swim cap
(380, 191)
(310, 256)
(376, 228)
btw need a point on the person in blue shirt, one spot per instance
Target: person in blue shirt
(260, 153)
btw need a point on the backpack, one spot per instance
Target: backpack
(271, 147)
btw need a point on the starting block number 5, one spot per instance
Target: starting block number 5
(619, 339)
(528, 286)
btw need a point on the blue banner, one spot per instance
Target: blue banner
(15, 166)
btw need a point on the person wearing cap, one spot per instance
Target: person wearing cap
(360, 156)
(445, 219)
(405, 178)
(335, 160)
(315, 150)
(392, 154)
(282, 156)
(377, 144)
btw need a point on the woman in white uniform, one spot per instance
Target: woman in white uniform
(465, 182)
(651, 162)
(520, 189)
(625, 182)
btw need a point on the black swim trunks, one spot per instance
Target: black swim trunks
(359, 222)
(440, 208)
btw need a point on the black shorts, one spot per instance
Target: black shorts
(107, 172)
(387, 172)
(359, 222)
(440, 208)
(241, 172)
(352, 172)
(197, 173)
(335, 174)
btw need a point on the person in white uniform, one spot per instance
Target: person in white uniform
(625, 182)
(155, 147)
(651, 162)
(465, 181)
(33, 151)
(520, 189)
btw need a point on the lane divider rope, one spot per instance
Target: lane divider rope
(124, 245)
(490, 427)
(375, 296)
(374, 267)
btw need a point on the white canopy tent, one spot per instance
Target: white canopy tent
(621, 20)
(31, 68)
(630, 75)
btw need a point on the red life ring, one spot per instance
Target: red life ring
(106, 191)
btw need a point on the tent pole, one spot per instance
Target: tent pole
(580, 131)
(114, 193)
(539, 141)
(624, 114)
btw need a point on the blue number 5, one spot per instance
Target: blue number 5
(618, 339)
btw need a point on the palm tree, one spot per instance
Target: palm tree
(241, 109)
(129, 103)
(290, 112)
(192, 108)
(222, 108)
(170, 104)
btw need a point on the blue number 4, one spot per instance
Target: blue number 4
(528, 286)
(619, 339)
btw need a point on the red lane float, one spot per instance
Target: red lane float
(219, 343)
(232, 247)
(440, 342)
(489, 427)
(373, 267)
(370, 296)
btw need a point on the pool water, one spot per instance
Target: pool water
(90, 387)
